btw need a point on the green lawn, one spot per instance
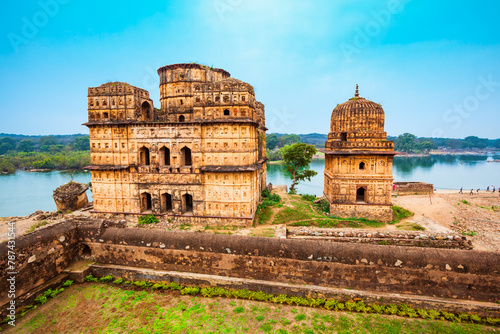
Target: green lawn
(101, 308)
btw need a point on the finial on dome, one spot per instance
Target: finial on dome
(356, 94)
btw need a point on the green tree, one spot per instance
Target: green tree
(274, 155)
(82, 144)
(271, 141)
(45, 142)
(297, 157)
(475, 142)
(288, 140)
(452, 143)
(427, 145)
(7, 144)
(405, 143)
(26, 145)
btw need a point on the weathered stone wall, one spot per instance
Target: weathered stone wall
(439, 272)
(396, 238)
(445, 273)
(413, 188)
(343, 176)
(39, 257)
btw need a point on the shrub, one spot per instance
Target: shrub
(399, 214)
(90, 278)
(118, 281)
(190, 290)
(300, 317)
(105, 279)
(67, 283)
(148, 219)
(239, 309)
(307, 197)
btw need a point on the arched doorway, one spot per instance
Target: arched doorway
(146, 111)
(186, 156)
(360, 195)
(187, 203)
(144, 156)
(166, 202)
(182, 118)
(145, 202)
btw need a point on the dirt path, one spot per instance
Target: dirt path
(449, 211)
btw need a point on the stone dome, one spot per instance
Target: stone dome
(357, 115)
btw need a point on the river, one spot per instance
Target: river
(23, 193)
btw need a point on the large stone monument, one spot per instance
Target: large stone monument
(358, 161)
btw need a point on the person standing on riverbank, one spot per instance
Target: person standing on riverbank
(461, 190)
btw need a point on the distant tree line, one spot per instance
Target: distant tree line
(406, 142)
(409, 143)
(43, 152)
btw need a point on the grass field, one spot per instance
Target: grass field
(299, 210)
(102, 308)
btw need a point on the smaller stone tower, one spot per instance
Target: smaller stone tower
(358, 161)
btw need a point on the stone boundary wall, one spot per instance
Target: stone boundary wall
(39, 257)
(444, 273)
(413, 188)
(396, 237)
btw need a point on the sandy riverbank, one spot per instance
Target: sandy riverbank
(445, 210)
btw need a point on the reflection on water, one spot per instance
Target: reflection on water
(444, 171)
(23, 193)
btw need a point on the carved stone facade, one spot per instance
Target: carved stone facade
(358, 161)
(200, 158)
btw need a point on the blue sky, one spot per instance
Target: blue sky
(433, 65)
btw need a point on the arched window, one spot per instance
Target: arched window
(186, 156)
(165, 156)
(343, 136)
(182, 102)
(226, 112)
(187, 203)
(360, 195)
(362, 165)
(146, 111)
(105, 115)
(144, 156)
(166, 202)
(145, 202)
(182, 118)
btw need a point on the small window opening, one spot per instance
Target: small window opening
(182, 118)
(187, 203)
(86, 252)
(165, 156)
(144, 156)
(343, 136)
(362, 165)
(186, 156)
(182, 102)
(145, 202)
(166, 202)
(105, 115)
(226, 112)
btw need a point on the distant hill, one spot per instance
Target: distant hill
(315, 139)
(62, 139)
